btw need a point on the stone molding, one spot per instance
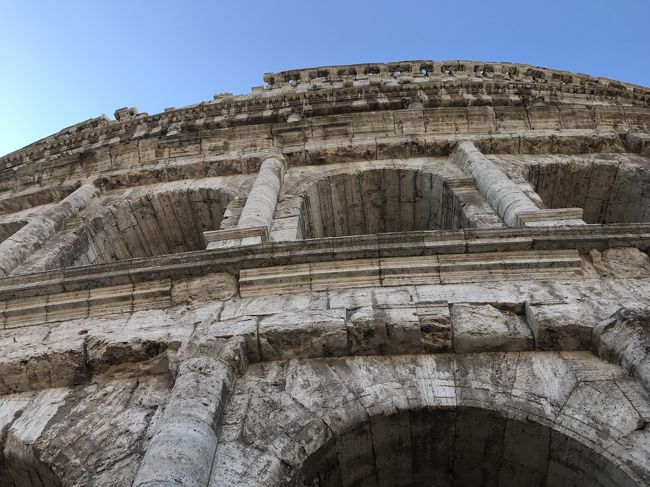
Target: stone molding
(394, 271)
(404, 245)
(298, 91)
(216, 236)
(414, 71)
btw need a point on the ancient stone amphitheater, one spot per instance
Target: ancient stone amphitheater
(407, 274)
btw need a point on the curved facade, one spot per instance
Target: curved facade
(404, 274)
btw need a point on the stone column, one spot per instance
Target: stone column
(513, 205)
(263, 197)
(497, 188)
(256, 218)
(32, 236)
(182, 448)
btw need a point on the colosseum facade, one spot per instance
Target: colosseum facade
(406, 274)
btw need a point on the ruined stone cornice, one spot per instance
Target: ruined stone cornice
(135, 272)
(373, 87)
(411, 71)
(297, 153)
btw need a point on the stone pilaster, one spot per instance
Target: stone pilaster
(257, 215)
(263, 197)
(511, 204)
(182, 448)
(32, 236)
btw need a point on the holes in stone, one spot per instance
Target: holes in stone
(347, 72)
(377, 201)
(462, 447)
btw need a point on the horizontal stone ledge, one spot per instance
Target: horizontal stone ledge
(220, 235)
(191, 265)
(310, 150)
(418, 327)
(106, 300)
(549, 216)
(430, 269)
(411, 328)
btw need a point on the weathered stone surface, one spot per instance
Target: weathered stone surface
(623, 262)
(294, 334)
(624, 338)
(416, 273)
(89, 434)
(485, 328)
(467, 444)
(560, 326)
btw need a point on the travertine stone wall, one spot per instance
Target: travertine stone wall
(395, 274)
(475, 419)
(610, 188)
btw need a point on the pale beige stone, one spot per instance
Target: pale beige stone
(416, 273)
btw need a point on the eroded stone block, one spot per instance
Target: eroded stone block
(484, 328)
(560, 326)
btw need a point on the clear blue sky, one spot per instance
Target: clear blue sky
(62, 62)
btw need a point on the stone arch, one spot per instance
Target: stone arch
(154, 223)
(386, 198)
(455, 446)
(304, 422)
(610, 188)
(166, 219)
(26, 471)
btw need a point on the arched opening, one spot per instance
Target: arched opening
(142, 225)
(27, 473)
(607, 188)
(456, 447)
(379, 201)
(157, 223)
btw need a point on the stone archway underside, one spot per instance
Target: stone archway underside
(544, 419)
(379, 201)
(461, 447)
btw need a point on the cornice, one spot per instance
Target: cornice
(581, 238)
(335, 90)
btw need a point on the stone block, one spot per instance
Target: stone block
(624, 338)
(384, 330)
(303, 334)
(484, 328)
(217, 286)
(560, 326)
(435, 327)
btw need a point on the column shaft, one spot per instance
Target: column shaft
(263, 198)
(32, 236)
(498, 189)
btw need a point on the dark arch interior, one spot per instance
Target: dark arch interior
(378, 201)
(153, 224)
(606, 190)
(460, 447)
(157, 223)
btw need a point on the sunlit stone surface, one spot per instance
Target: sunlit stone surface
(406, 274)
